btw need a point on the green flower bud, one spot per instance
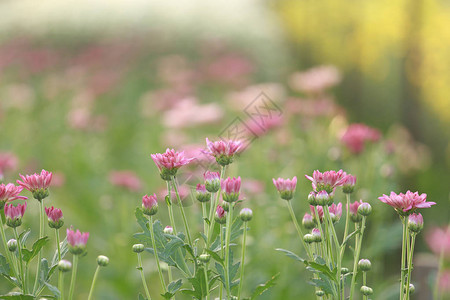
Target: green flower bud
(366, 291)
(102, 260)
(365, 209)
(246, 214)
(204, 258)
(138, 248)
(365, 265)
(64, 265)
(12, 245)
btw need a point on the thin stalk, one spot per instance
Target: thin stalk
(207, 283)
(241, 279)
(299, 230)
(141, 270)
(411, 253)
(404, 250)
(41, 235)
(170, 206)
(221, 254)
(438, 275)
(74, 276)
(9, 256)
(58, 244)
(347, 217)
(61, 284)
(356, 258)
(322, 243)
(21, 270)
(205, 225)
(364, 283)
(338, 246)
(211, 213)
(227, 250)
(94, 280)
(155, 252)
(183, 215)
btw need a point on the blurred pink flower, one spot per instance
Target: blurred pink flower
(315, 80)
(406, 203)
(188, 113)
(126, 179)
(10, 192)
(229, 68)
(356, 136)
(8, 161)
(438, 239)
(261, 128)
(444, 281)
(252, 186)
(241, 99)
(327, 180)
(323, 106)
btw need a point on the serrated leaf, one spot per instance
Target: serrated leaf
(260, 289)
(141, 219)
(290, 254)
(64, 249)
(174, 286)
(53, 289)
(234, 269)
(220, 271)
(236, 230)
(24, 236)
(28, 255)
(44, 271)
(215, 256)
(322, 269)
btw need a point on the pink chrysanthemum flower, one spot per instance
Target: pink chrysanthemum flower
(353, 210)
(202, 194)
(356, 136)
(55, 217)
(285, 187)
(327, 181)
(169, 162)
(150, 205)
(37, 184)
(125, 179)
(14, 214)
(319, 212)
(308, 221)
(9, 192)
(221, 215)
(230, 189)
(438, 239)
(336, 210)
(212, 181)
(407, 203)
(348, 184)
(224, 150)
(77, 241)
(415, 222)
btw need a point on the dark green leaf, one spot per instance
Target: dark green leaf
(174, 286)
(53, 289)
(291, 254)
(260, 289)
(37, 246)
(215, 256)
(141, 219)
(4, 266)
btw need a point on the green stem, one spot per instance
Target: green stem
(41, 235)
(438, 275)
(338, 246)
(364, 283)
(347, 218)
(242, 261)
(183, 215)
(205, 225)
(74, 276)
(411, 253)
(61, 284)
(155, 251)
(299, 230)
(212, 209)
(21, 270)
(94, 280)
(9, 256)
(356, 258)
(404, 250)
(322, 243)
(58, 244)
(170, 206)
(221, 254)
(207, 282)
(227, 250)
(141, 270)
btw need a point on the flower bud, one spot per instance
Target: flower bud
(221, 215)
(138, 248)
(230, 189)
(366, 291)
(102, 260)
(285, 187)
(225, 206)
(168, 230)
(204, 258)
(149, 205)
(365, 209)
(202, 195)
(309, 238)
(348, 184)
(312, 199)
(317, 236)
(55, 217)
(364, 265)
(308, 221)
(353, 210)
(415, 222)
(212, 181)
(64, 265)
(14, 214)
(320, 293)
(322, 198)
(412, 289)
(344, 270)
(12, 245)
(246, 214)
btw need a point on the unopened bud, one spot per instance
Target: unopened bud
(308, 221)
(312, 199)
(415, 222)
(64, 265)
(320, 293)
(344, 270)
(12, 245)
(138, 248)
(102, 260)
(202, 195)
(204, 258)
(365, 265)
(246, 214)
(366, 291)
(168, 230)
(225, 206)
(322, 198)
(412, 289)
(309, 238)
(317, 236)
(365, 209)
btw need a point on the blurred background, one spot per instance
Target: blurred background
(89, 89)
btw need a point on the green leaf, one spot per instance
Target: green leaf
(236, 230)
(234, 269)
(16, 296)
(141, 219)
(221, 271)
(37, 246)
(325, 284)
(44, 271)
(53, 289)
(215, 256)
(321, 268)
(64, 249)
(350, 236)
(24, 236)
(174, 286)
(260, 289)
(140, 297)
(291, 254)
(4, 266)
